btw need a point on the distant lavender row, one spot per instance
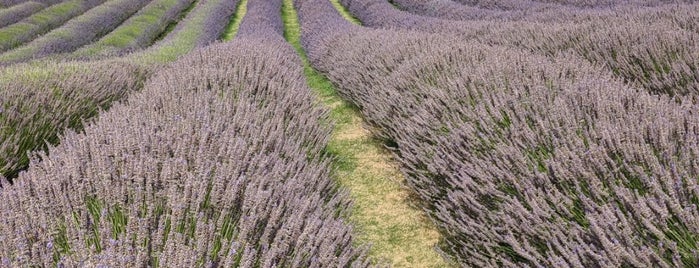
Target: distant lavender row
(520, 159)
(11, 3)
(655, 53)
(448, 9)
(217, 16)
(662, 58)
(263, 21)
(506, 5)
(202, 26)
(215, 163)
(77, 32)
(18, 12)
(140, 30)
(38, 103)
(42, 22)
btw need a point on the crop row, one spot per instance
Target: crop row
(77, 32)
(522, 159)
(203, 25)
(238, 181)
(140, 30)
(18, 12)
(42, 22)
(41, 100)
(662, 59)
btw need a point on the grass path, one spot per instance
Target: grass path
(399, 234)
(238, 16)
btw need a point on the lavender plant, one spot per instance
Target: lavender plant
(662, 59)
(215, 162)
(521, 159)
(39, 102)
(77, 32)
(139, 31)
(202, 26)
(18, 12)
(42, 22)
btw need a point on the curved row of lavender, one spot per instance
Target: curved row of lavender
(203, 25)
(218, 161)
(18, 12)
(139, 31)
(521, 159)
(38, 104)
(12, 3)
(42, 22)
(213, 24)
(41, 100)
(644, 47)
(77, 32)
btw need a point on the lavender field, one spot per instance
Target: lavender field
(349, 133)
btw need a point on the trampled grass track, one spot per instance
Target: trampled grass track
(399, 234)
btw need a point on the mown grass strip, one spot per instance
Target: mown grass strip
(399, 234)
(232, 28)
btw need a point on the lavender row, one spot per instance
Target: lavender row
(40, 102)
(18, 12)
(263, 21)
(524, 160)
(42, 22)
(139, 31)
(12, 3)
(662, 59)
(77, 32)
(203, 25)
(655, 54)
(30, 108)
(216, 162)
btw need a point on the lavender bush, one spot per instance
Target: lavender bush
(77, 32)
(42, 22)
(18, 12)
(521, 159)
(39, 102)
(215, 162)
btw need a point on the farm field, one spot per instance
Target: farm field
(349, 133)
